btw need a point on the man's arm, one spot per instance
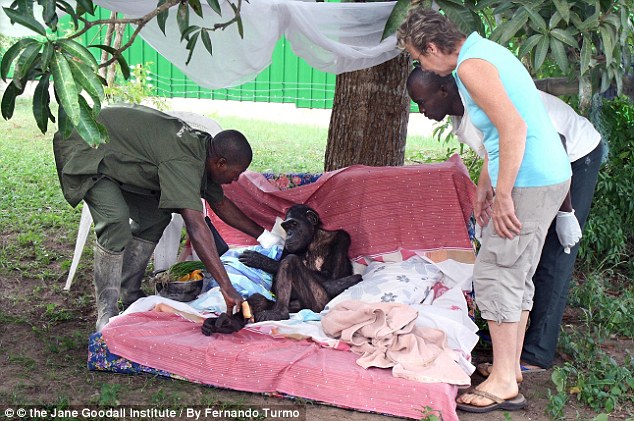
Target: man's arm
(566, 206)
(233, 216)
(203, 242)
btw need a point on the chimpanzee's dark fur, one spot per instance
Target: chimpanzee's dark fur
(313, 269)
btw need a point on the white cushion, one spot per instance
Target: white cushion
(407, 282)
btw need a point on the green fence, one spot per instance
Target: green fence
(288, 79)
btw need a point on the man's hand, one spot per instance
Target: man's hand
(232, 298)
(568, 229)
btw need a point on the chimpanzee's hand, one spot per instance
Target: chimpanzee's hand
(258, 260)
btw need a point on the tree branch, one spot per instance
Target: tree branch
(140, 22)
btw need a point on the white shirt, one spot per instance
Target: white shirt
(581, 136)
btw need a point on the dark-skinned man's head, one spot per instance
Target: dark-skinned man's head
(436, 96)
(228, 155)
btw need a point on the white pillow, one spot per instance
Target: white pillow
(406, 282)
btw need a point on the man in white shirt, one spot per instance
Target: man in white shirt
(438, 97)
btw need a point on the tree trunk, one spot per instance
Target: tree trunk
(369, 116)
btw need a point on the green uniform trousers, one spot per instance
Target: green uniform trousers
(119, 214)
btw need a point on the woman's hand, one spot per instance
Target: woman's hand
(505, 222)
(483, 205)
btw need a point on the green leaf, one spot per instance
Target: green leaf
(12, 53)
(559, 54)
(529, 44)
(563, 7)
(41, 101)
(240, 27)
(593, 21)
(87, 5)
(460, 15)
(65, 126)
(125, 69)
(88, 79)
(161, 18)
(70, 10)
(49, 12)
(191, 45)
(187, 32)
(88, 127)
(238, 20)
(7, 106)
(215, 6)
(565, 36)
(26, 60)
(613, 20)
(182, 17)
(397, 16)
(608, 43)
(585, 55)
(484, 4)
(540, 52)
(47, 53)
(78, 51)
(514, 25)
(554, 20)
(196, 7)
(24, 20)
(65, 86)
(204, 35)
(536, 19)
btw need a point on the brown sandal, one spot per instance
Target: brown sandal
(513, 404)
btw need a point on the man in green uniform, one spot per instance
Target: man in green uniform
(153, 165)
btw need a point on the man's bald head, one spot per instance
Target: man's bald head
(228, 155)
(435, 95)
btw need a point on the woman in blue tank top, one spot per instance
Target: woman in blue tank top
(523, 182)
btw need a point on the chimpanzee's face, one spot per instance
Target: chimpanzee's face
(300, 224)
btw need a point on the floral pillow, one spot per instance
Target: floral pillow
(408, 282)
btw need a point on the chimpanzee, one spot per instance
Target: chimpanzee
(313, 269)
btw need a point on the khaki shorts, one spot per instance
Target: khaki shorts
(503, 272)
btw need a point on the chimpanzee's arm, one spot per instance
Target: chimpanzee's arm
(336, 262)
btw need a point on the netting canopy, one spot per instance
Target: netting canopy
(332, 37)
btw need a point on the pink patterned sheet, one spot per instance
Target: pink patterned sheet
(420, 208)
(253, 362)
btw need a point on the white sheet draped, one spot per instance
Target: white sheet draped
(332, 37)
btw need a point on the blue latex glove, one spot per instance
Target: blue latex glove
(568, 230)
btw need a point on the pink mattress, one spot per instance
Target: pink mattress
(253, 362)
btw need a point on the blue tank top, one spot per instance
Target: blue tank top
(545, 161)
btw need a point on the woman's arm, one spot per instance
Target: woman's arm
(483, 82)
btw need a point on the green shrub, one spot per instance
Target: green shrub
(608, 236)
(136, 90)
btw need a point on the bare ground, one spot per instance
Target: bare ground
(43, 350)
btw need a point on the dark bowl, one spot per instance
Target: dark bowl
(180, 291)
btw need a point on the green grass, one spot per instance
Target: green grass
(38, 230)
(280, 147)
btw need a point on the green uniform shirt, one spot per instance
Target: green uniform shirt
(148, 153)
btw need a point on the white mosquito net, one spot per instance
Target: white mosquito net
(332, 37)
